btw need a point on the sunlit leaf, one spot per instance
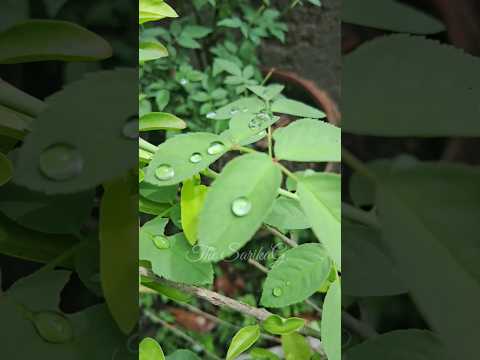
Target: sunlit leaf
(331, 325)
(242, 341)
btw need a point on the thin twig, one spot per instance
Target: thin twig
(281, 236)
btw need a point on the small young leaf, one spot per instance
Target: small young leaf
(296, 108)
(236, 205)
(153, 10)
(151, 50)
(161, 121)
(320, 197)
(242, 341)
(308, 140)
(276, 325)
(296, 275)
(295, 346)
(150, 349)
(331, 326)
(192, 200)
(42, 40)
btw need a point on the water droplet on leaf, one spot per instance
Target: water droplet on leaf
(277, 292)
(161, 242)
(215, 148)
(211, 115)
(183, 82)
(61, 162)
(164, 172)
(130, 128)
(53, 327)
(241, 206)
(196, 158)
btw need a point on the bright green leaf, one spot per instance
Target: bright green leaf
(295, 346)
(287, 214)
(242, 341)
(150, 349)
(331, 325)
(151, 50)
(277, 325)
(161, 121)
(192, 200)
(296, 108)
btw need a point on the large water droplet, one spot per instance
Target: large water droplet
(211, 115)
(183, 82)
(61, 162)
(196, 158)
(130, 128)
(241, 206)
(53, 327)
(215, 148)
(277, 292)
(161, 242)
(164, 172)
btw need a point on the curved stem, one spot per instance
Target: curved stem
(357, 165)
(360, 216)
(145, 145)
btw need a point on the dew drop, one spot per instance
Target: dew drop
(61, 162)
(241, 206)
(277, 292)
(183, 82)
(196, 158)
(211, 115)
(215, 148)
(161, 242)
(164, 172)
(53, 327)
(130, 128)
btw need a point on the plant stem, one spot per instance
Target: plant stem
(288, 194)
(282, 236)
(360, 216)
(180, 334)
(357, 165)
(63, 257)
(210, 173)
(288, 172)
(145, 145)
(270, 142)
(268, 76)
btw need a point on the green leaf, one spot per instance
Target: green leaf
(296, 108)
(416, 98)
(428, 213)
(174, 259)
(182, 156)
(6, 169)
(320, 197)
(151, 50)
(263, 354)
(400, 344)
(89, 147)
(267, 93)
(242, 341)
(196, 31)
(192, 200)
(295, 346)
(331, 325)
(296, 276)
(221, 65)
(368, 269)
(147, 206)
(183, 355)
(153, 10)
(167, 291)
(42, 40)
(308, 140)
(150, 349)
(277, 325)
(251, 105)
(158, 194)
(18, 242)
(19, 101)
(390, 15)
(236, 205)
(287, 214)
(162, 99)
(188, 42)
(118, 246)
(245, 125)
(14, 124)
(161, 121)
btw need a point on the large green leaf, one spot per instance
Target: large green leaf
(429, 215)
(400, 345)
(368, 270)
(242, 341)
(236, 205)
(391, 15)
(296, 275)
(91, 145)
(183, 156)
(118, 249)
(42, 40)
(95, 335)
(402, 85)
(287, 214)
(172, 257)
(331, 326)
(296, 108)
(295, 346)
(308, 140)
(320, 197)
(150, 349)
